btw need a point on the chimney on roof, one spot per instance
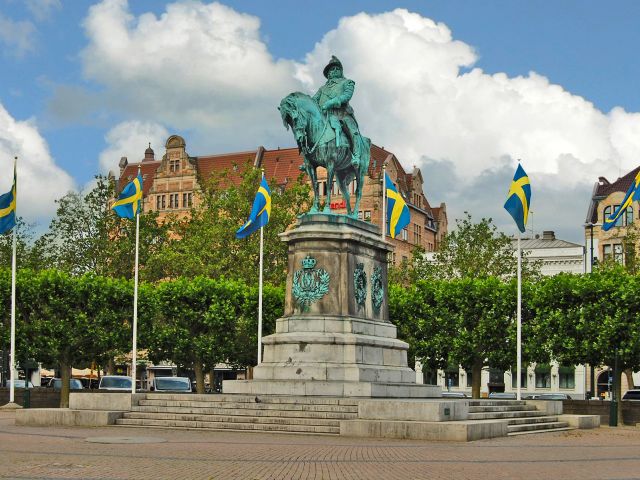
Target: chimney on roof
(548, 235)
(123, 164)
(603, 181)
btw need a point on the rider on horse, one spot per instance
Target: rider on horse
(333, 97)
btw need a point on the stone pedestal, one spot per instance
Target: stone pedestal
(335, 337)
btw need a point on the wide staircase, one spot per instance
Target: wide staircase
(521, 418)
(317, 415)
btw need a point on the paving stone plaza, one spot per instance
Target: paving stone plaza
(151, 453)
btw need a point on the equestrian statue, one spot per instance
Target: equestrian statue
(328, 136)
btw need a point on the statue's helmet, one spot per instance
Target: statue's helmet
(333, 62)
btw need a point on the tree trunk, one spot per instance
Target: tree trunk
(629, 373)
(198, 368)
(65, 376)
(476, 378)
(111, 367)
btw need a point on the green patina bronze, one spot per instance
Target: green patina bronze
(328, 136)
(377, 289)
(360, 284)
(309, 284)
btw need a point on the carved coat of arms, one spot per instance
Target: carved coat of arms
(309, 284)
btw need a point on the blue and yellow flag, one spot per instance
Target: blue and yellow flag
(8, 207)
(626, 202)
(129, 203)
(259, 213)
(397, 210)
(519, 198)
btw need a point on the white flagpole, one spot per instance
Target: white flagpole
(12, 360)
(384, 201)
(519, 332)
(134, 356)
(260, 301)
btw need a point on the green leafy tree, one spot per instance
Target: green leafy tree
(70, 320)
(87, 236)
(195, 323)
(26, 255)
(474, 250)
(204, 243)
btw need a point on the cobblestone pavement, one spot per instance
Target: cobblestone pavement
(70, 452)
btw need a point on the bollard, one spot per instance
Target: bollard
(26, 398)
(613, 413)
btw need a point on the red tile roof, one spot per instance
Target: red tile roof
(148, 170)
(231, 163)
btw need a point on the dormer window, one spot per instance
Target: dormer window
(174, 165)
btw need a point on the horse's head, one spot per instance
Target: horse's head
(294, 117)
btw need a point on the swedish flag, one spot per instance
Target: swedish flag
(397, 211)
(260, 212)
(8, 207)
(626, 202)
(129, 203)
(519, 198)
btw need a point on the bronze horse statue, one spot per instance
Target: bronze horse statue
(316, 141)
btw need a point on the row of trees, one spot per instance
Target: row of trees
(64, 320)
(196, 323)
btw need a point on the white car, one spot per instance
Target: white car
(171, 384)
(115, 383)
(18, 384)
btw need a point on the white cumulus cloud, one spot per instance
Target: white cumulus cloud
(130, 139)
(204, 68)
(40, 180)
(17, 38)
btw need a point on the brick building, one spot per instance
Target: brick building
(171, 186)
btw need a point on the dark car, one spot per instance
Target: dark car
(631, 395)
(171, 384)
(56, 384)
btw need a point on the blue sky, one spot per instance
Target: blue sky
(459, 88)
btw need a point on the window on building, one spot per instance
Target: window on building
(629, 216)
(174, 165)
(606, 252)
(523, 378)
(367, 215)
(173, 200)
(335, 189)
(160, 202)
(360, 215)
(187, 200)
(429, 377)
(417, 234)
(543, 376)
(404, 235)
(567, 376)
(617, 253)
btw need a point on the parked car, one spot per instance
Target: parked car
(502, 395)
(631, 395)
(171, 384)
(554, 396)
(18, 384)
(56, 384)
(454, 395)
(116, 383)
(533, 396)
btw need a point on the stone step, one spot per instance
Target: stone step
(269, 427)
(502, 415)
(246, 412)
(495, 403)
(167, 403)
(232, 419)
(238, 398)
(548, 430)
(532, 420)
(501, 408)
(530, 427)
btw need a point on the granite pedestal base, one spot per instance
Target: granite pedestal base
(335, 338)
